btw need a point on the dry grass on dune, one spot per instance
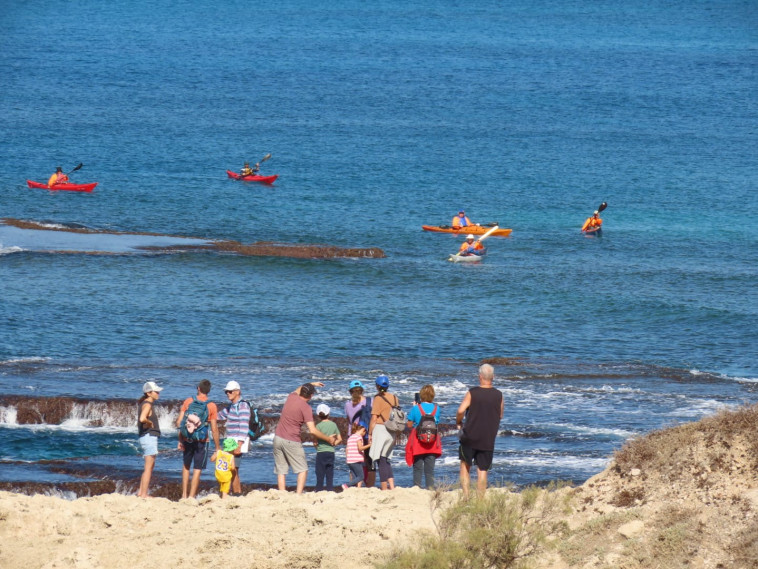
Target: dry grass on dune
(686, 496)
(683, 497)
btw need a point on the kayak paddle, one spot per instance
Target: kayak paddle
(482, 238)
(490, 232)
(75, 169)
(266, 157)
(601, 207)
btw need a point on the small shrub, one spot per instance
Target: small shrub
(744, 549)
(500, 530)
(629, 498)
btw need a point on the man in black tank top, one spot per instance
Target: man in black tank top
(483, 409)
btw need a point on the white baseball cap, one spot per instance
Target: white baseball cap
(323, 408)
(151, 386)
(231, 386)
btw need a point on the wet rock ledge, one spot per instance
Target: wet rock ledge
(257, 249)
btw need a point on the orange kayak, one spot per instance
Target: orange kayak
(473, 229)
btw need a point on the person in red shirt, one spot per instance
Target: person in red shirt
(196, 452)
(288, 446)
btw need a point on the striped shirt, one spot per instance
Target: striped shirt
(237, 417)
(352, 452)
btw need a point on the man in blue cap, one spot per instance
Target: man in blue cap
(461, 220)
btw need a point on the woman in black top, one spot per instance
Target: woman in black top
(149, 430)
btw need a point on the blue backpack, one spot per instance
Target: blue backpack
(194, 426)
(363, 415)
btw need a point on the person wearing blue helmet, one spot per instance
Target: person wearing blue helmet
(460, 220)
(357, 407)
(382, 441)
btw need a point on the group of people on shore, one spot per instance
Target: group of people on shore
(373, 427)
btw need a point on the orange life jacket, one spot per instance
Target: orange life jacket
(592, 222)
(476, 245)
(459, 221)
(57, 178)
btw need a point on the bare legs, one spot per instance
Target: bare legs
(481, 480)
(146, 475)
(186, 483)
(281, 481)
(236, 486)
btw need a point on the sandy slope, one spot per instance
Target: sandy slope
(682, 497)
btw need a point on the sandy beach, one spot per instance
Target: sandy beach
(681, 497)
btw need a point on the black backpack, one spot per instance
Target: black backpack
(255, 428)
(426, 432)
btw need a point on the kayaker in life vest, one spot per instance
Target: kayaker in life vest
(461, 220)
(592, 222)
(468, 247)
(58, 178)
(246, 170)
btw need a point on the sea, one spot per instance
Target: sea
(379, 117)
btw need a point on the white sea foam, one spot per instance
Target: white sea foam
(31, 360)
(9, 250)
(699, 409)
(595, 431)
(745, 379)
(562, 463)
(8, 416)
(547, 461)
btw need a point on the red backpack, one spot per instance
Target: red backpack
(426, 432)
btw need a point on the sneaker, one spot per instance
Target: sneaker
(345, 486)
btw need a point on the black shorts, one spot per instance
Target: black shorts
(482, 458)
(195, 452)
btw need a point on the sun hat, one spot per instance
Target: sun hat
(355, 383)
(469, 236)
(230, 445)
(151, 386)
(232, 386)
(383, 381)
(323, 408)
(596, 212)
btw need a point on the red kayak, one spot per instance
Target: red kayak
(64, 186)
(252, 177)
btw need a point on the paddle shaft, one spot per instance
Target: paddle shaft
(482, 238)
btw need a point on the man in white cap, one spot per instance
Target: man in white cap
(468, 247)
(593, 223)
(237, 417)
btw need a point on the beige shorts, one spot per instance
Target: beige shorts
(289, 455)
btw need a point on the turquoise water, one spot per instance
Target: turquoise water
(381, 118)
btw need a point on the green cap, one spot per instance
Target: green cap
(230, 445)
